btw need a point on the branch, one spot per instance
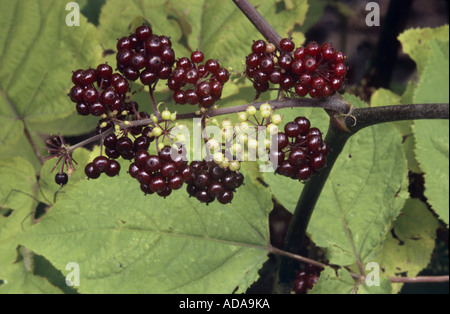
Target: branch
(364, 117)
(419, 279)
(269, 33)
(345, 118)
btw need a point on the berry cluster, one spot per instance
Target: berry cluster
(306, 279)
(210, 181)
(315, 70)
(160, 173)
(97, 91)
(100, 165)
(145, 55)
(301, 150)
(203, 82)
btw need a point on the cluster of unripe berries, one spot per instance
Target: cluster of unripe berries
(301, 150)
(196, 83)
(306, 278)
(317, 70)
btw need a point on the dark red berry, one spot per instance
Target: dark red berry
(197, 56)
(61, 178)
(113, 168)
(90, 171)
(287, 45)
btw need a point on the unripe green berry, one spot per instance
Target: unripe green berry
(226, 123)
(165, 114)
(251, 110)
(213, 144)
(157, 131)
(272, 129)
(218, 158)
(265, 106)
(242, 116)
(266, 113)
(225, 162)
(234, 165)
(252, 144)
(277, 119)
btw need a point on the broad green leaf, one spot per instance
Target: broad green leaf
(22, 148)
(22, 280)
(433, 84)
(432, 152)
(384, 97)
(331, 283)
(17, 183)
(341, 282)
(408, 248)
(363, 195)
(17, 189)
(125, 242)
(415, 42)
(432, 148)
(39, 52)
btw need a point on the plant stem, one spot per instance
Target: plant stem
(364, 117)
(259, 22)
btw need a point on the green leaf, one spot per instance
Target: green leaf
(384, 97)
(433, 83)
(17, 183)
(408, 248)
(125, 242)
(432, 152)
(415, 43)
(39, 52)
(341, 282)
(22, 280)
(17, 189)
(362, 197)
(432, 148)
